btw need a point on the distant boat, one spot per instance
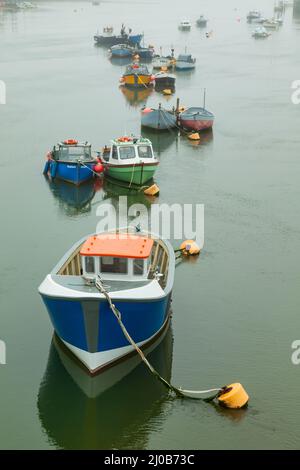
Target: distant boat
(121, 50)
(131, 160)
(185, 25)
(202, 21)
(138, 76)
(260, 32)
(185, 62)
(71, 161)
(271, 24)
(164, 80)
(161, 61)
(159, 119)
(144, 52)
(254, 15)
(109, 39)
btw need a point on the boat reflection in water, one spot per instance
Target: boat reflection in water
(113, 189)
(120, 61)
(136, 96)
(74, 199)
(161, 140)
(108, 411)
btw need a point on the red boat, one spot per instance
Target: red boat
(196, 119)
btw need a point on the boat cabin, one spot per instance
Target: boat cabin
(124, 257)
(186, 58)
(70, 151)
(130, 150)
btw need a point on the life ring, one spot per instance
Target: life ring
(70, 142)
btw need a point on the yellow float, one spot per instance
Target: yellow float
(233, 396)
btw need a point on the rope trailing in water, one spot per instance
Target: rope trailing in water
(195, 394)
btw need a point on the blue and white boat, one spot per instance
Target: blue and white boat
(145, 53)
(137, 269)
(121, 50)
(71, 161)
(159, 119)
(185, 62)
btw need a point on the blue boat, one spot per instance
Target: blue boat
(109, 39)
(159, 119)
(71, 161)
(145, 53)
(138, 271)
(185, 62)
(121, 50)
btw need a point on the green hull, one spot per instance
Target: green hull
(132, 174)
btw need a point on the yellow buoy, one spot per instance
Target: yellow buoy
(194, 136)
(164, 69)
(234, 396)
(152, 190)
(190, 248)
(167, 92)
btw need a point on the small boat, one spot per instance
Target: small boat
(130, 159)
(185, 25)
(164, 80)
(138, 270)
(254, 15)
(185, 62)
(121, 50)
(109, 39)
(160, 61)
(202, 21)
(71, 161)
(270, 24)
(159, 119)
(260, 32)
(142, 52)
(137, 76)
(196, 118)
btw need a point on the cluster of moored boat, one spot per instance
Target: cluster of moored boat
(264, 25)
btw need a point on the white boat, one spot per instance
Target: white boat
(254, 15)
(202, 21)
(271, 24)
(185, 25)
(136, 269)
(260, 32)
(159, 62)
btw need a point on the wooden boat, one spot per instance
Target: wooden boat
(196, 119)
(71, 161)
(185, 25)
(164, 80)
(159, 119)
(121, 50)
(202, 21)
(138, 270)
(137, 76)
(130, 159)
(185, 62)
(109, 39)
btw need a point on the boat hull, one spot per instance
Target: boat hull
(90, 330)
(197, 124)
(137, 80)
(184, 66)
(73, 173)
(121, 53)
(109, 41)
(158, 119)
(134, 174)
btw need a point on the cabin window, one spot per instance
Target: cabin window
(126, 153)
(114, 153)
(138, 267)
(109, 264)
(90, 265)
(71, 154)
(145, 151)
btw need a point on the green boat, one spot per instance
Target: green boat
(130, 159)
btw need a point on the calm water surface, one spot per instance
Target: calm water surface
(235, 310)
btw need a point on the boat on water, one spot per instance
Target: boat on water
(109, 39)
(164, 80)
(270, 24)
(185, 25)
(121, 50)
(137, 76)
(161, 61)
(260, 33)
(196, 119)
(185, 62)
(254, 15)
(71, 161)
(131, 160)
(137, 268)
(159, 119)
(145, 53)
(202, 21)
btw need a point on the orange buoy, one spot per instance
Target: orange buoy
(233, 396)
(189, 248)
(152, 190)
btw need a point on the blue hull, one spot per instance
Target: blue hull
(121, 53)
(158, 119)
(91, 326)
(73, 173)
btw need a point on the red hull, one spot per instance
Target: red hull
(197, 125)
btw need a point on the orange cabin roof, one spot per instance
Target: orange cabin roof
(119, 245)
